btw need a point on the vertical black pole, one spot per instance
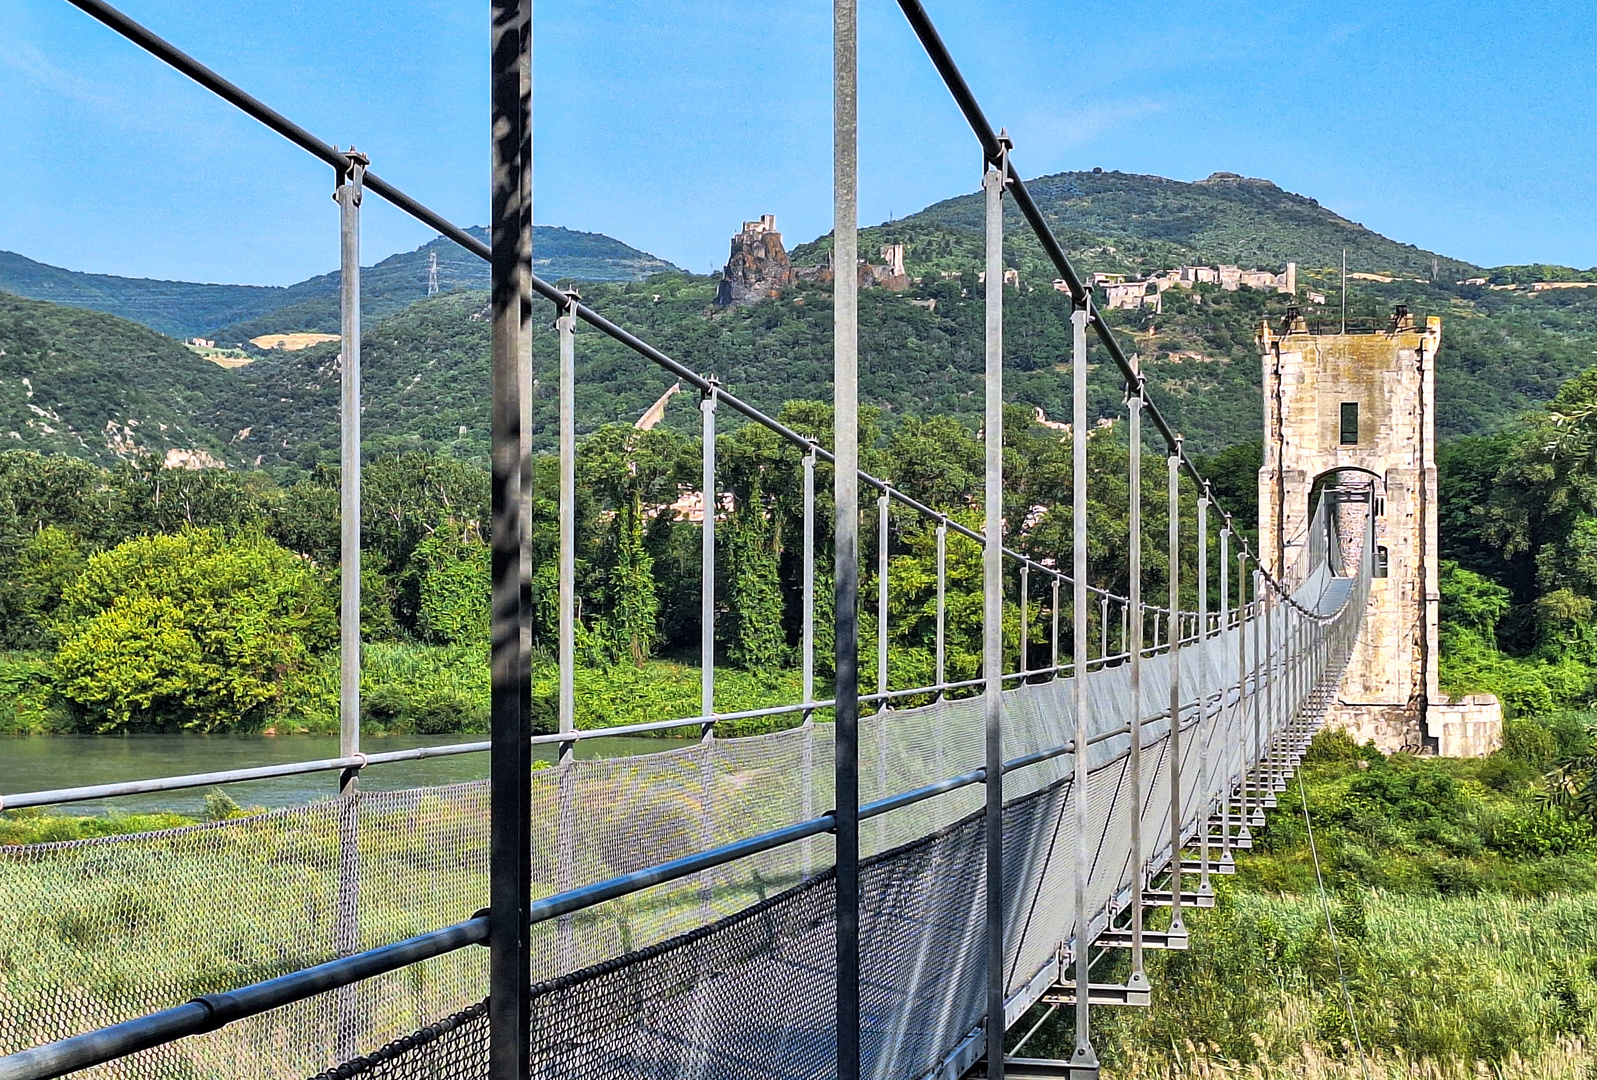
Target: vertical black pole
(510, 768)
(845, 430)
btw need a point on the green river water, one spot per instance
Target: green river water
(47, 762)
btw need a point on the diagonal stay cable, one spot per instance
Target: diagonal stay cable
(1330, 926)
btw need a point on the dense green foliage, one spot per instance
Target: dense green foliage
(190, 632)
(1115, 221)
(426, 359)
(1519, 533)
(143, 598)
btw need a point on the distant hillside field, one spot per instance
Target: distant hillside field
(235, 313)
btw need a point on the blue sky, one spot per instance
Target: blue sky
(1466, 128)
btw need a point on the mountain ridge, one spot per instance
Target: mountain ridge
(235, 313)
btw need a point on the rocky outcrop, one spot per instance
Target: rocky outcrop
(758, 267)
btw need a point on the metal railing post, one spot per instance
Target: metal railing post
(1244, 702)
(566, 657)
(884, 523)
(707, 404)
(942, 605)
(566, 324)
(1025, 620)
(347, 193)
(807, 633)
(1134, 625)
(1226, 745)
(1204, 729)
(1256, 703)
(348, 196)
(1173, 462)
(807, 651)
(1053, 648)
(993, 615)
(1084, 1056)
(845, 420)
(510, 843)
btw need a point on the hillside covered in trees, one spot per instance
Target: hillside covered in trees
(1504, 351)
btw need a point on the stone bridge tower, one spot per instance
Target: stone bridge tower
(1350, 416)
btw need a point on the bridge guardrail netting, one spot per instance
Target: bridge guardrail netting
(104, 930)
(752, 994)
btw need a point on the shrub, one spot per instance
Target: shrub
(1530, 741)
(197, 631)
(455, 581)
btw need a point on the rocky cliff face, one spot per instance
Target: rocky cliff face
(758, 266)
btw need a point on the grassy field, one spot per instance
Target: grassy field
(1464, 909)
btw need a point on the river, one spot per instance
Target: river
(39, 762)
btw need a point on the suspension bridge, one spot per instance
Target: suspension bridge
(880, 889)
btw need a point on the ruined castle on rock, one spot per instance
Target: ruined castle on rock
(759, 267)
(1350, 417)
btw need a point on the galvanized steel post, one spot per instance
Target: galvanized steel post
(1084, 1057)
(993, 614)
(845, 420)
(1025, 619)
(567, 616)
(707, 405)
(884, 521)
(1173, 463)
(348, 196)
(942, 604)
(1231, 726)
(807, 633)
(347, 932)
(1053, 651)
(1134, 624)
(1204, 729)
(510, 847)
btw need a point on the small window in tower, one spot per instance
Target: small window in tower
(1381, 561)
(1350, 423)
(1380, 506)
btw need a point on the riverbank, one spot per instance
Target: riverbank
(1464, 913)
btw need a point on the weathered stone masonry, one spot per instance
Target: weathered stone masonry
(1356, 410)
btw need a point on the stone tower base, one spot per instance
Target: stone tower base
(1469, 727)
